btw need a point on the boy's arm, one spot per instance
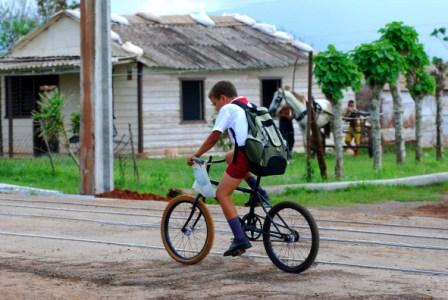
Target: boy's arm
(209, 142)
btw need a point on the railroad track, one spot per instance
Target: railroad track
(41, 209)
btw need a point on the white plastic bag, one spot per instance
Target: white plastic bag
(202, 184)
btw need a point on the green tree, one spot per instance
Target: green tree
(17, 19)
(48, 8)
(380, 63)
(419, 84)
(51, 120)
(335, 71)
(440, 33)
(439, 73)
(403, 38)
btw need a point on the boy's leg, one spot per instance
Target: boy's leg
(250, 179)
(223, 193)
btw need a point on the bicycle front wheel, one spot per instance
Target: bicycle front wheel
(187, 234)
(291, 237)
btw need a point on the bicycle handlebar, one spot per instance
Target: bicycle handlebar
(207, 162)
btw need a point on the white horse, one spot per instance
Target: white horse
(323, 110)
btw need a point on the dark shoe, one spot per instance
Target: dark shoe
(238, 247)
(256, 201)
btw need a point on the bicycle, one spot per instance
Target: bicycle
(188, 232)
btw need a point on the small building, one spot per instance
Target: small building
(163, 68)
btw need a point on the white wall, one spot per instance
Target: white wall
(125, 102)
(428, 122)
(62, 38)
(163, 127)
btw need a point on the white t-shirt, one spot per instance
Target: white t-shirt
(233, 117)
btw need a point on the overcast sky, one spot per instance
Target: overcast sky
(345, 23)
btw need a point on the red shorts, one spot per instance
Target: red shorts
(238, 169)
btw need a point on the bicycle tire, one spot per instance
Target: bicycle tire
(168, 237)
(298, 236)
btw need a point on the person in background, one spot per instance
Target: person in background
(353, 132)
(285, 120)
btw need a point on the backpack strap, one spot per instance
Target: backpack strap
(247, 109)
(236, 148)
(244, 106)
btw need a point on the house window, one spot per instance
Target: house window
(23, 92)
(192, 98)
(268, 88)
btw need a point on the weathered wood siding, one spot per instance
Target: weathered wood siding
(69, 85)
(163, 127)
(164, 130)
(125, 102)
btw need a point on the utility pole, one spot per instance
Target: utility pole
(96, 150)
(10, 123)
(2, 96)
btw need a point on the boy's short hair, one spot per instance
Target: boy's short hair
(225, 88)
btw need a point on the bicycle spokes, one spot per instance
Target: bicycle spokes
(187, 230)
(291, 237)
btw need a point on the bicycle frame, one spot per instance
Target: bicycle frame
(252, 193)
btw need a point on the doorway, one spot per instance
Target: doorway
(268, 88)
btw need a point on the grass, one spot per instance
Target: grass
(364, 195)
(159, 175)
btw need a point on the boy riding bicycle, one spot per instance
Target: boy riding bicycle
(232, 118)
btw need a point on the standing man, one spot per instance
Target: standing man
(285, 119)
(351, 115)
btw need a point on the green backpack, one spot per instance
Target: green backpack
(266, 149)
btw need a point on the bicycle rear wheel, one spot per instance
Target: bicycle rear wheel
(187, 241)
(291, 237)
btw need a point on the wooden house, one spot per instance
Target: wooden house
(163, 68)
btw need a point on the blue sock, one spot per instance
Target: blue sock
(237, 230)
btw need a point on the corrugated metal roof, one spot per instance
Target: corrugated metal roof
(179, 42)
(30, 63)
(23, 64)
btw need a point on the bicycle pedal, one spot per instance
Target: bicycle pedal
(239, 252)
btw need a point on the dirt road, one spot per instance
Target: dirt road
(59, 248)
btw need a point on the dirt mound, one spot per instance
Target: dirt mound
(437, 210)
(131, 195)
